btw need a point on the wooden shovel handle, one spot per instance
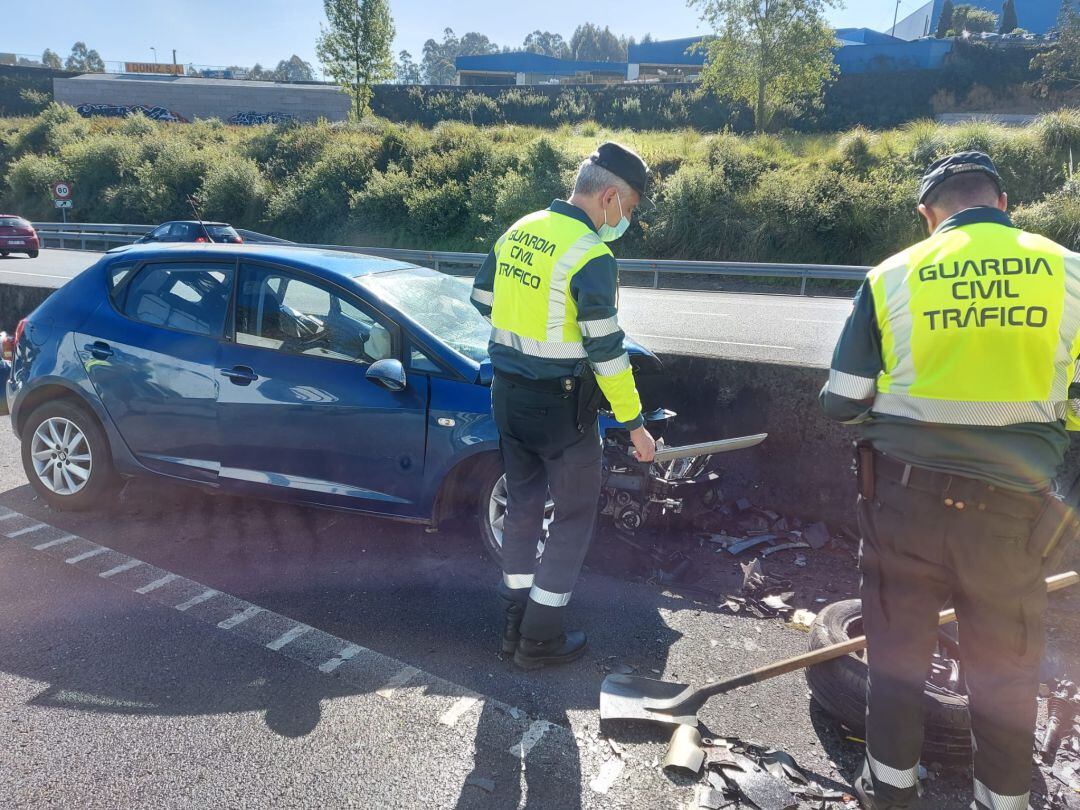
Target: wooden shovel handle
(1054, 583)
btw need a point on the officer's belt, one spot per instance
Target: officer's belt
(955, 489)
(559, 385)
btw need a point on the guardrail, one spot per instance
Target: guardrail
(96, 236)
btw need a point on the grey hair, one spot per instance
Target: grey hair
(592, 179)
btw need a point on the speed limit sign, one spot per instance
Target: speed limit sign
(61, 190)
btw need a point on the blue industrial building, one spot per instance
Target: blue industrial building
(860, 50)
(1034, 16)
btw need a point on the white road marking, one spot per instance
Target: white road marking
(86, 555)
(708, 314)
(209, 593)
(349, 652)
(9, 515)
(67, 538)
(6, 272)
(460, 707)
(112, 572)
(404, 675)
(239, 618)
(157, 583)
(716, 342)
(289, 637)
(609, 772)
(37, 527)
(811, 320)
(530, 738)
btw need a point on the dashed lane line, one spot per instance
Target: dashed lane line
(197, 594)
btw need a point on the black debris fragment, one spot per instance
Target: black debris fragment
(482, 782)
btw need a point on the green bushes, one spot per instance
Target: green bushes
(846, 199)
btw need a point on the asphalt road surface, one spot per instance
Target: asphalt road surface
(176, 648)
(776, 328)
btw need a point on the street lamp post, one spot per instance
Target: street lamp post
(155, 53)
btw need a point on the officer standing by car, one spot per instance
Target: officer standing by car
(957, 362)
(550, 289)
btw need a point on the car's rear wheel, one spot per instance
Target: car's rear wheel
(33, 254)
(3, 254)
(66, 456)
(491, 511)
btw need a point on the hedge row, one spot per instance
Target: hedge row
(845, 198)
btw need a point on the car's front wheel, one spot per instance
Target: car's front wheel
(491, 511)
(66, 456)
(33, 254)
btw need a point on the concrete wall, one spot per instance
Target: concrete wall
(205, 98)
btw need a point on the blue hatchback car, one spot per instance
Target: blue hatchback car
(315, 376)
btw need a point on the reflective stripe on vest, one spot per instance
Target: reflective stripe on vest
(535, 263)
(980, 325)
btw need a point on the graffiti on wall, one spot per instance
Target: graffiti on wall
(253, 118)
(125, 110)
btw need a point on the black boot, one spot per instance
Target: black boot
(512, 628)
(560, 650)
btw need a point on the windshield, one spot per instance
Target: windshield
(13, 222)
(439, 303)
(221, 230)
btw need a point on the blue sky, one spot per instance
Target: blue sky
(243, 32)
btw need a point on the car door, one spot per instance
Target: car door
(296, 411)
(150, 353)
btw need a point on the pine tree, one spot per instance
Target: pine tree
(945, 22)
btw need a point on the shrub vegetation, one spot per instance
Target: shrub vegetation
(845, 198)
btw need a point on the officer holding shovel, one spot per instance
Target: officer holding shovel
(958, 363)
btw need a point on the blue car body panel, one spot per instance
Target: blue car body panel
(306, 429)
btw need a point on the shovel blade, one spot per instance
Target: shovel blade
(625, 697)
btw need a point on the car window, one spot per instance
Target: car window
(179, 231)
(187, 297)
(13, 222)
(160, 231)
(277, 310)
(118, 275)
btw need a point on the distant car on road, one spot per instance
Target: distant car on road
(17, 235)
(191, 230)
(300, 374)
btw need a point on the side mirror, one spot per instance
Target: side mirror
(390, 374)
(145, 238)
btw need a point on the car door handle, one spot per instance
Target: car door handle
(100, 349)
(241, 375)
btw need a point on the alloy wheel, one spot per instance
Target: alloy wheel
(61, 455)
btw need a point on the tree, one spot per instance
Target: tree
(354, 47)
(50, 59)
(257, 73)
(945, 22)
(294, 69)
(593, 44)
(438, 62)
(407, 71)
(768, 53)
(84, 60)
(974, 20)
(1059, 66)
(548, 44)
(1009, 22)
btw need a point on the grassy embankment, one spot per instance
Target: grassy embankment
(841, 199)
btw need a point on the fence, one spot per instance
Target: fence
(93, 236)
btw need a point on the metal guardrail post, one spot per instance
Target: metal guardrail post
(802, 287)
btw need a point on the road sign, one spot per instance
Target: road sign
(61, 191)
(62, 203)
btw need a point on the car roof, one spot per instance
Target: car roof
(194, 222)
(339, 264)
(14, 216)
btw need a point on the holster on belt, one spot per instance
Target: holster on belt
(864, 469)
(1056, 528)
(590, 399)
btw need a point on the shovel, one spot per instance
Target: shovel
(627, 697)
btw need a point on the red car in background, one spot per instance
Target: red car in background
(17, 236)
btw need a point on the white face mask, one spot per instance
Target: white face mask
(609, 233)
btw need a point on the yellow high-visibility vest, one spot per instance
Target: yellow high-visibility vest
(980, 325)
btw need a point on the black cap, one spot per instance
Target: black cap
(960, 163)
(625, 165)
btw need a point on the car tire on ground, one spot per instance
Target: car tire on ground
(491, 505)
(33, 254)
(839, 687)
(3, 254)
(66, 456)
